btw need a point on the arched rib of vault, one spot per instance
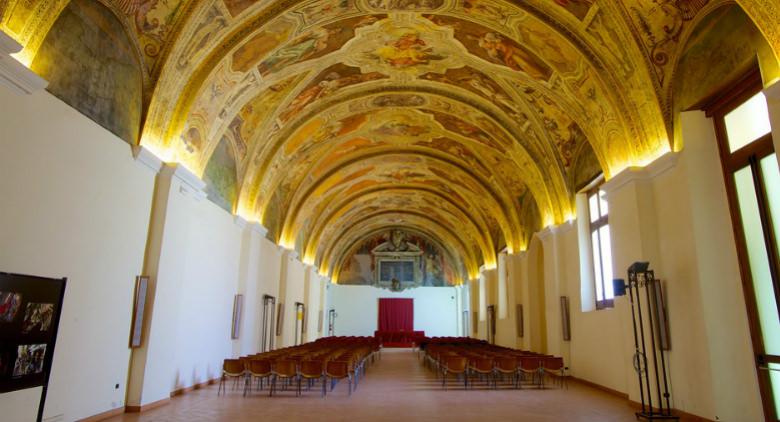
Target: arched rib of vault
(765, 14)
(534, 174)
(472, 200)
(332, 162)
(539, 164)
(354, 207)
(322, 222)
(335, 252)
(483, 188)
(452, 254)
(232, 41)
(386, 218)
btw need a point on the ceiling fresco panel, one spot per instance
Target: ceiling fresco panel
(332, 121)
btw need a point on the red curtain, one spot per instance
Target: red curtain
(396, 314)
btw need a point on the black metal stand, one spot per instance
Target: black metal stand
(639, 276)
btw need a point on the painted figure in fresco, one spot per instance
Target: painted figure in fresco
(395, 128)
(330, 84)
(406, 51)
(511, 56)
(325, 9)
(399, 100)
(299, 50)
(405, 4)
(480, 7)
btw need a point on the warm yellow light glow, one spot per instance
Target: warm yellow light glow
(490, 263)
(24, 57)
(308, 260)
(323, 272)
(570, 216)
(643, 161)
(287, 244)
(548, 221)
(156, 148)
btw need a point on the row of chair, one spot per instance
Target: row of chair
(327, 359)
(469, 360)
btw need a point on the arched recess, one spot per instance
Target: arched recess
(537, 320)
(335, 249)
(478, 188)
(448, 237)
(92, 65)
(329, 221)
(437, 266)
(720, 48)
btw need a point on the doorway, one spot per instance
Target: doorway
(491, 324)
(267, 327)
(331, 322)
(300, 322)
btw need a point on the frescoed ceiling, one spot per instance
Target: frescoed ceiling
(473, 122)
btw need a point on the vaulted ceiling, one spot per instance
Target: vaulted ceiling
(472, 122)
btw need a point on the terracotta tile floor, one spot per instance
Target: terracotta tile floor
(396, 388)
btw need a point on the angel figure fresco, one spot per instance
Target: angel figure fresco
(406, 51)
(300, 50)
(512, 56)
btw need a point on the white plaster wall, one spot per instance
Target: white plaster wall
(75, 204)
(210, 281)
(678, 220)
(294, 292)
(435, 309)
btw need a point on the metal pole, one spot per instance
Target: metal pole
(644, 347)
(631, 284)
(650, 275)
(659, 297)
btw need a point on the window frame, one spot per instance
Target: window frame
(595, 227)
(716, 108)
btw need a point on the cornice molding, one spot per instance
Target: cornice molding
(240, 222)
(639, 174)
(258, 228)
(15, 75)
(545, 233)
(143, 156)
(190, 183)
(291, 254)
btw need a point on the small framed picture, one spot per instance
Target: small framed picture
(519, 320)
(238, 304)
(565, 318)
(139, 304)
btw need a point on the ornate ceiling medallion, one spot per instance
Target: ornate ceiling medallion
(404, 46)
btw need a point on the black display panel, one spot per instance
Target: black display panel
(30, 309)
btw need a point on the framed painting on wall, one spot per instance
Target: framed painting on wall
(565, 318)
(279, 319)
(519, 321)
(238, 304)
(139, 304)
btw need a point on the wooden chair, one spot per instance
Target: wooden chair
(482, 366)
(285, 369)
(257, 369)
(231, 368)
(455, 365)
(337, 370)
(311, 370)
(553, 367)
(507, 365)
(531, 365)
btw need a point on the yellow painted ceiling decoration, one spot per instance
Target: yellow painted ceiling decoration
(471, 123)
